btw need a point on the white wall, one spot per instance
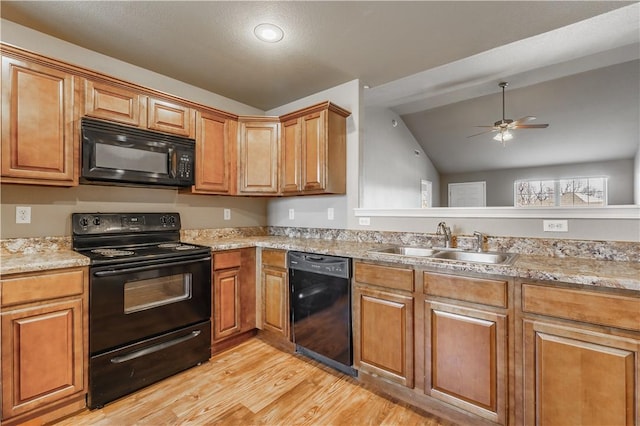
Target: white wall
(393, 163)
(636, 178)
(311, 211)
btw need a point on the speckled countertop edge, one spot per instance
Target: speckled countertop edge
(589, 272)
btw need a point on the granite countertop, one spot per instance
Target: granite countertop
(600, 273)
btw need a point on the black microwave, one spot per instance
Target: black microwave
(117, 154)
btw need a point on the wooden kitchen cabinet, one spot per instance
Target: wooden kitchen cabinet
(259, 139)
(234, 297)
(126, 105)
(580, 352)
(40, 111)
(44, 344)
(275, 293)
(383, 310)
(170, 117)
(216, 155)
(115, 103)
(313, 151)
(466, 343)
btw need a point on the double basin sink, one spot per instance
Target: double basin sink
(494, 258)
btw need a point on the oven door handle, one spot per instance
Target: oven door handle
(154, 348)
(112, 272)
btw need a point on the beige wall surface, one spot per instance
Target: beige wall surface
(51, 207)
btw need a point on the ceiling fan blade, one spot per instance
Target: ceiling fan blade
(482, 133)
(531, 126)
(523, 119)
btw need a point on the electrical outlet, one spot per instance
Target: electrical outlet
(365, 221)
(292, 214)
(23, 214)
(227, 214)
(555, 226)
(330, 213)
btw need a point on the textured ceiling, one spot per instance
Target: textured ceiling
(211, 44)
(436, 64)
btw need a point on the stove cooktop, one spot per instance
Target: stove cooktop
(126, 254)
(110, 238)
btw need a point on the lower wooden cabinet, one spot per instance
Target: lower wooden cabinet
(275, 292)
(383, 311)
(581, 357)
(234, 295)
(384, 334)
(466, 343)
(44, 344)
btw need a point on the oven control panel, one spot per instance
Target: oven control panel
(99, 223)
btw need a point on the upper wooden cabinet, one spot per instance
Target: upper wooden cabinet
(314, 150)
(169, 117)
(258, 155)
(116, 103)
(216, 158)
(111, 101)
(40, 110)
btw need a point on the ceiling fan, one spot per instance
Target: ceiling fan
(504, 126)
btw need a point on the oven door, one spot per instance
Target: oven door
(143, 299)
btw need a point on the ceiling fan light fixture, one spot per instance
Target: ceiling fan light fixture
(269, 33)
(503, 136)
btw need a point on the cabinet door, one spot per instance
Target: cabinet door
(168, 117)
(291, 161)
(114, 103)
(39, 117)
(42, 355)
(466, 359)
(275, 301)
(226, 303)
(314, 149)
(383, 334)
(215, 156)
(579, 377)
(259, 157)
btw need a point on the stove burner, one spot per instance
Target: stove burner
(112, 252)
(177, 246)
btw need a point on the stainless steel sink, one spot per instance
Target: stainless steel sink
(477, 257)
(408, 251)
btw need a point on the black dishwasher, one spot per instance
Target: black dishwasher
(321, 308)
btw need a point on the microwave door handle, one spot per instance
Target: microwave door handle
(172, 158)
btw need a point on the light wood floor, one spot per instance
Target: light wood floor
(255, 384)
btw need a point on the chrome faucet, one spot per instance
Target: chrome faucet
(443, 229)
(479, 240)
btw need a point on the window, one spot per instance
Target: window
(568, 192)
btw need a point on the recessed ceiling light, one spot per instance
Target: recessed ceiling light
(269, 33)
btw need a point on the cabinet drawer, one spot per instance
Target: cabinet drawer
(468, 289)
(384, 276)
(41, 287)
(277, 258)
(582, 305)
(227, 259)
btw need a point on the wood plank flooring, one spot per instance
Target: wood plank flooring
(255, 384)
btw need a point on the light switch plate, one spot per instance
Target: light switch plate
(364, 221)
(330, 213)
(292, 214)
(227, 214)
